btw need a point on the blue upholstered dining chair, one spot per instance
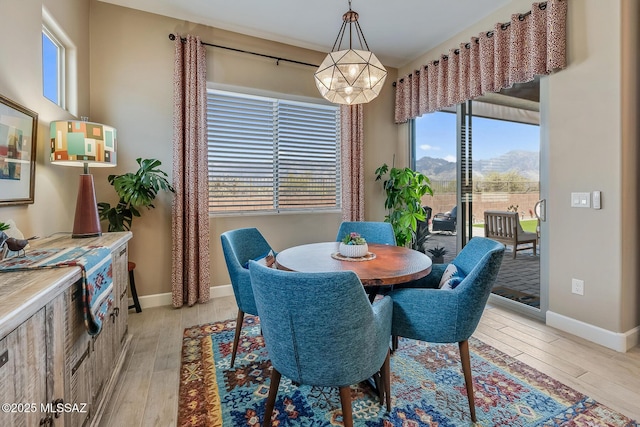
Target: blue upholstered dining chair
(451, 315)
(333, 341)
(239, 246)
(373, 232)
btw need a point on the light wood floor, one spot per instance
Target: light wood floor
(147, 391)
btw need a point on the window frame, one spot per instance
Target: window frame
(67, 63)
(289, 101)
(60, 67)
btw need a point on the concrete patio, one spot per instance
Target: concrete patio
(518, 279)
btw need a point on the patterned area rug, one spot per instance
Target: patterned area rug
(427, 389)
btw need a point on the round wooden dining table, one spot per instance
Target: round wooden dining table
(389, 265)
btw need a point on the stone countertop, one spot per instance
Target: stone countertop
(23, 293)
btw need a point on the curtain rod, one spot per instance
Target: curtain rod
(173, 37)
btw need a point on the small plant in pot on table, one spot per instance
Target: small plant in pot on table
(353, 245)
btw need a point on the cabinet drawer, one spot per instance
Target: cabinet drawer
(23, 372)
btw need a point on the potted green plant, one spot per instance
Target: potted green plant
(405, 189)
(437, 254)
(135, 190)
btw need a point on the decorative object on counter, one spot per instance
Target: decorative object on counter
(11, 239)
(95, 263)
(405, 188)
(11, 244)
(83, 144)
(350, 76)
(18, 136)
(437, 254)
(353, 245)
(135, 190)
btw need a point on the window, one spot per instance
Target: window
(272, 155)
(52, 68)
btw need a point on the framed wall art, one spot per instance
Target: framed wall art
(18, 136)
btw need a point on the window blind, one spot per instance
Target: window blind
(268, 154)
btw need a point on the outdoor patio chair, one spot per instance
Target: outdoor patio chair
(239, 246)
(450, 315)
(333, 341)
(505, 227)
(445, 221)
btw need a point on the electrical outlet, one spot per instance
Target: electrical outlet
(577, 286)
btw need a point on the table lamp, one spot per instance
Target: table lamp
(83, 144)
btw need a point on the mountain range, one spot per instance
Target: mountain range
(525, 163)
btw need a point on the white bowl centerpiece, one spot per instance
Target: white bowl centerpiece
(353, 245)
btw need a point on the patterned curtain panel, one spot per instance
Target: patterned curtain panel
(352, 141)
(531, 44)
(190, 222)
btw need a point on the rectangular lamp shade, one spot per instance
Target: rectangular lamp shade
(76, 143)
(84, 144)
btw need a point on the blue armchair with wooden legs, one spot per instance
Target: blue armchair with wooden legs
(333, 341)
(373, 232)
(451, 315)
(239, 246)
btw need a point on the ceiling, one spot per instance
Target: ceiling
(396, 31)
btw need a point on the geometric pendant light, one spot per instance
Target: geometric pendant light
(350, 76)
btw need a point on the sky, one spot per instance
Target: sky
(436, 137)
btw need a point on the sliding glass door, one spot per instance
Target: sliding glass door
(495, 168)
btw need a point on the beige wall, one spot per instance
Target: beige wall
(589, 134)
(21, 81)
(132, 89)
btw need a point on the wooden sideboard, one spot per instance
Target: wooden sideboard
(52, 372)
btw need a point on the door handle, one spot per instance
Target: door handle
(540, 209)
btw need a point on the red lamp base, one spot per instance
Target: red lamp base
(87, 220)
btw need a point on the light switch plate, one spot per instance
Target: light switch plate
(580, 200)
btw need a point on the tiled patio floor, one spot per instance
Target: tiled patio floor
(521, 274)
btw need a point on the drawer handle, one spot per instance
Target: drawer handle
(57, 403)
(47, 421)
(123, 251)
(4, 358)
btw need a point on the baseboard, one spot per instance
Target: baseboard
(158, 300)
(614, 340)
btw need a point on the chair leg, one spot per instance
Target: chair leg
(345, 400)
(394, 343)
(468, 380)
(271, 399)
(386, 380)
(236, 337)
(134, 292)
(379, 383)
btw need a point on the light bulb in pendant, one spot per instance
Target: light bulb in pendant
(353, 70)
(348, 90)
